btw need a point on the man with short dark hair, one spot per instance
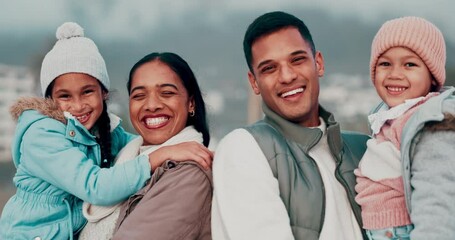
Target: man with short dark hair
(289, 175)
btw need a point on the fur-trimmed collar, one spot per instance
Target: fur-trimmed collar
(448, 124)
(45, 106)
(48, 107)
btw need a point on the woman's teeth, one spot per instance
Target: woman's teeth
(155, 121)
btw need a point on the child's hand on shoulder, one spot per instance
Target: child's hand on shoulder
(182, 152)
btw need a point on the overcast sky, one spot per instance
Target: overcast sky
(133, 22)
(126, 18)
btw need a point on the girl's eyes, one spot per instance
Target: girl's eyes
(410, 64)
(63, 96)
(88, 91)
(85, 92)
(383, 64)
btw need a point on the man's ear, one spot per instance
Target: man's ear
(319, 59)
(253, 83)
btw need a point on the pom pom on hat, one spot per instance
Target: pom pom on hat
(417, 34)
(73, 53)
(69, 30)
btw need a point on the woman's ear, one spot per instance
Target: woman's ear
(191, 105)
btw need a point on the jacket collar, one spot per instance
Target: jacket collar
(46, 107)
(433, 110)
(307, 137)
(445, 92)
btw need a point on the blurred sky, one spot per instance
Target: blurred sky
(208, 34)
(172, 25)
(125, 18)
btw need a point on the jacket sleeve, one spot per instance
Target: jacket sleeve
(246, 202)
(176, 207)
(433, 186)
(47, 154)
(122, 138)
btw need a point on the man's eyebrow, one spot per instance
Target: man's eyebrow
(263, 63)
(292, 54)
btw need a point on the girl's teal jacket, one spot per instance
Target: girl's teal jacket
(57, 163)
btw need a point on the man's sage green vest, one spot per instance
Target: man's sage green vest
(286, 146)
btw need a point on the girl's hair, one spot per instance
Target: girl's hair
(103, 125)
(186, 75)
(101, 130)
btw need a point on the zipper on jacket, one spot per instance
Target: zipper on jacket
(356, 210)
(323, 195)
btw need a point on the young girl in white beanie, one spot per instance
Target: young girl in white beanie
(406, 179)
(64, 145)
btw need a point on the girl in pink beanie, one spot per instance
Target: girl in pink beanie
(406, 178)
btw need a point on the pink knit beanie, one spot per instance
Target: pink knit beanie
(417, 34)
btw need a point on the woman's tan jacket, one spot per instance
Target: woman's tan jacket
(175, 204)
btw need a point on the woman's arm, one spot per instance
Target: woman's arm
(177, 206)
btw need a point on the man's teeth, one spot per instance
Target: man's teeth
(396, 89)
(292, 92)
(155, 121)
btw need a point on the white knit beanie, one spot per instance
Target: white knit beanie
(73, 53)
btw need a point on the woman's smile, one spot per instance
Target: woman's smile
(156, 122)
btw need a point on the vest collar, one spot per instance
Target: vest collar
(307, 137)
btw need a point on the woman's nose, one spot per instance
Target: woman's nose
(153, 103)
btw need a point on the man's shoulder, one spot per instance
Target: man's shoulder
(243, 142)
(237, 144)
(236, 136)
(263, 131)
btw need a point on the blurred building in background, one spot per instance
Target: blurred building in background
(15, 81)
